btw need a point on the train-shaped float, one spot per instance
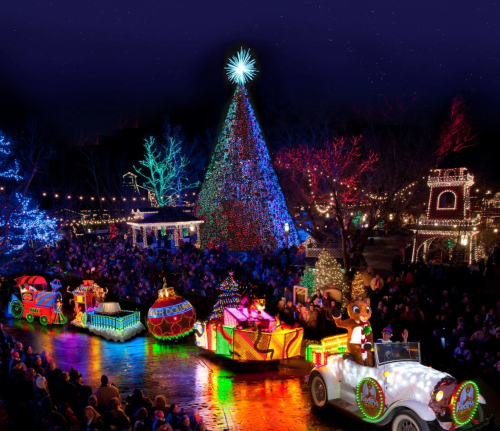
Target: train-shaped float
(35, 301)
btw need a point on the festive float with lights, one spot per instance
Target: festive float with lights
(35, 301)
(86, 299)
(385, 383)
(240, 329)
(171, 316)
(105, 319)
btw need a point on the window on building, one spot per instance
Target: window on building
(447, 200)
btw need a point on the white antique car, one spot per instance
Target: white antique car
(398, 389)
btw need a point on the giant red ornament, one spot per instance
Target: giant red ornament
(171, 316)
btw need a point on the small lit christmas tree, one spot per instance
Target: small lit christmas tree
(309, 280)
(329, 273)
(229, 297)
(357, 287)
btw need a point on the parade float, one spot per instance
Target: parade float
(241, 330)
(105, 319)
(35, 301)
(384, 383)
(171, 316)
(86, 298)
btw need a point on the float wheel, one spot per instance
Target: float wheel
(319, 392)
(406, 420)
(44, 320)
(30, 317)
(17, 308)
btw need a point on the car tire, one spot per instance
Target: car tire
(319, 392)
(406, 420)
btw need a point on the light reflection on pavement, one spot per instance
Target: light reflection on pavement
(228, 395)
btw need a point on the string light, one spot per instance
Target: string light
(329, 273)
(309, 280)
(229, 297)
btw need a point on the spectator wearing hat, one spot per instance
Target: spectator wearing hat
(159, 420)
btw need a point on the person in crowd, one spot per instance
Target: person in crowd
(173, 415)
(106, 392)
(194, 418)
(116, 415)
(462, 354)
(42, 389)
(93, 420)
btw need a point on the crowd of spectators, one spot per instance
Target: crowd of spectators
(133, 273)
(442, 306)
(36, 395)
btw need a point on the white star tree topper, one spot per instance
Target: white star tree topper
(241, 67)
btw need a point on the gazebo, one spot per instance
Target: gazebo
(161, 220)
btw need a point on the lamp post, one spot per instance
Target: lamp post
(287, 232)
(191, 231)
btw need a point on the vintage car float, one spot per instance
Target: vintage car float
(35, 301)
(398, 390)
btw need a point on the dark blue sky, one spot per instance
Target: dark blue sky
(82, 64)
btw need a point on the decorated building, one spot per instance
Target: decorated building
(449, 216)
(241, 200)
(160, 221)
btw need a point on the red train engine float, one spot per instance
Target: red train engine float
(37, 303)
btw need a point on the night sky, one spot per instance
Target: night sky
(84, 65)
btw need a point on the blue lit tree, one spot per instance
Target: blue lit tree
(240, 200)
(165, 173)
(21, 222)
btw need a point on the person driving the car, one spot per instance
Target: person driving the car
(387, 334)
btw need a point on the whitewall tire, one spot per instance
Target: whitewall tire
(406, 420)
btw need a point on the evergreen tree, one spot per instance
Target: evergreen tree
(229, 297)
(357, 287)
(309, 280)
(240, 200)
(329, 273)
(22, 223)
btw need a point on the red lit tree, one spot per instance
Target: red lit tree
(457, 133)
(113, 231)
(325, 184)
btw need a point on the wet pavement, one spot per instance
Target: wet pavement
(229, 396)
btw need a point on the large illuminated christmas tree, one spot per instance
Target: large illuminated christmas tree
(241, 201)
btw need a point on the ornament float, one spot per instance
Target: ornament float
(35, 301)
(171, 316)
(395, 388)
(245, 332)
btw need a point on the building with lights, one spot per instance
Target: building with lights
(449, 216)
